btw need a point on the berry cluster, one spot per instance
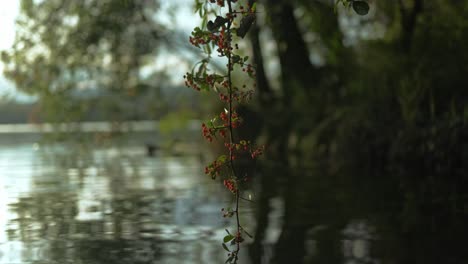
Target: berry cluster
(231, 185)
(218, 35)
(244, 147)
(248, 68)
(214, 169)
(208, 133)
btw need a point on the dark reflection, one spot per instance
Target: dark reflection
(410, 210)
(72, 203)
(110, 205)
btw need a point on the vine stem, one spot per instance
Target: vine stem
(231, 135)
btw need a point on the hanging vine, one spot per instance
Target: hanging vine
(230, 21)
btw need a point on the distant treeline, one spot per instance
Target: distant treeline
(16, 113)
(104, 107)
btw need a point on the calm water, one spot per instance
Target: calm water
(82, 202)
(75, 204)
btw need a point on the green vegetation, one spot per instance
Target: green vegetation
(14, 112)
(91, 57)
(361, 105)
(368, 122)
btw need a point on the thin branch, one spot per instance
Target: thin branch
(231, 135)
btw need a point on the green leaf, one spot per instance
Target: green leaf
(228, 238)
(222, 159)
(200, 10)
(204, 21)
(210, 26)
(225, 247)
(204, 87)
(214, 26)
(198, 6)
(235, 58)
(246, 58)
(212, 121)
(254, 7)
(202, 69)
(361, 7)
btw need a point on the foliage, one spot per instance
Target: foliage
(360, 7)
(220, 35)
(74, 54)
(372, 129)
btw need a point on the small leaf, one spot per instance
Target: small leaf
(246, 58)
(229, 259)
(210, 26)
(254, 7)
(219, 78)
(214, 26)
(212, 122)
(204, 87)
(225, 247)
(205, 18)
(228, 238)
(197, 7)
(219, 21)
(361, 7)
(235, 58)
(222, 159)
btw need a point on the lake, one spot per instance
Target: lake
(95, 198)
(79, 202)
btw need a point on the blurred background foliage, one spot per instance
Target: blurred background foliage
(368, 121)
(93, 59)
(364, 117)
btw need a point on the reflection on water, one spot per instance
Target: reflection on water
(344, 218)
(71, 204)
(76, 203)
